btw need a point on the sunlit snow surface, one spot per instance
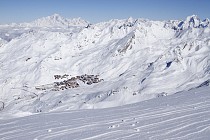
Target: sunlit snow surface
(182, 116)
(137, 59)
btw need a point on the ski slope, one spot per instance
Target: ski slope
(181, 116)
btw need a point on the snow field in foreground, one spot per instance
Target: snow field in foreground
(182, 116)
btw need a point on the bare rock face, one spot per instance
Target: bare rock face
(1, 105)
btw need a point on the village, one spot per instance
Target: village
(69, 83)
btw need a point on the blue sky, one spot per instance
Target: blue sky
(102, 10)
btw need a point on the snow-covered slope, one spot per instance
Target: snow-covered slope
(182, 116)
(116, 62)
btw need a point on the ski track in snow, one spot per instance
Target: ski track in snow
(181, 116)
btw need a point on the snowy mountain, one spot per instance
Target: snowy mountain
(193, 22)
(56, 21)
(52, 21)
(55, 63)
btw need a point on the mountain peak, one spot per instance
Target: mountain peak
(192, 16)
(193, 21)
(55, 15)
(130, 19)
(205, 23)
(56, 20)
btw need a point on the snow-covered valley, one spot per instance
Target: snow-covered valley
(58, 64)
